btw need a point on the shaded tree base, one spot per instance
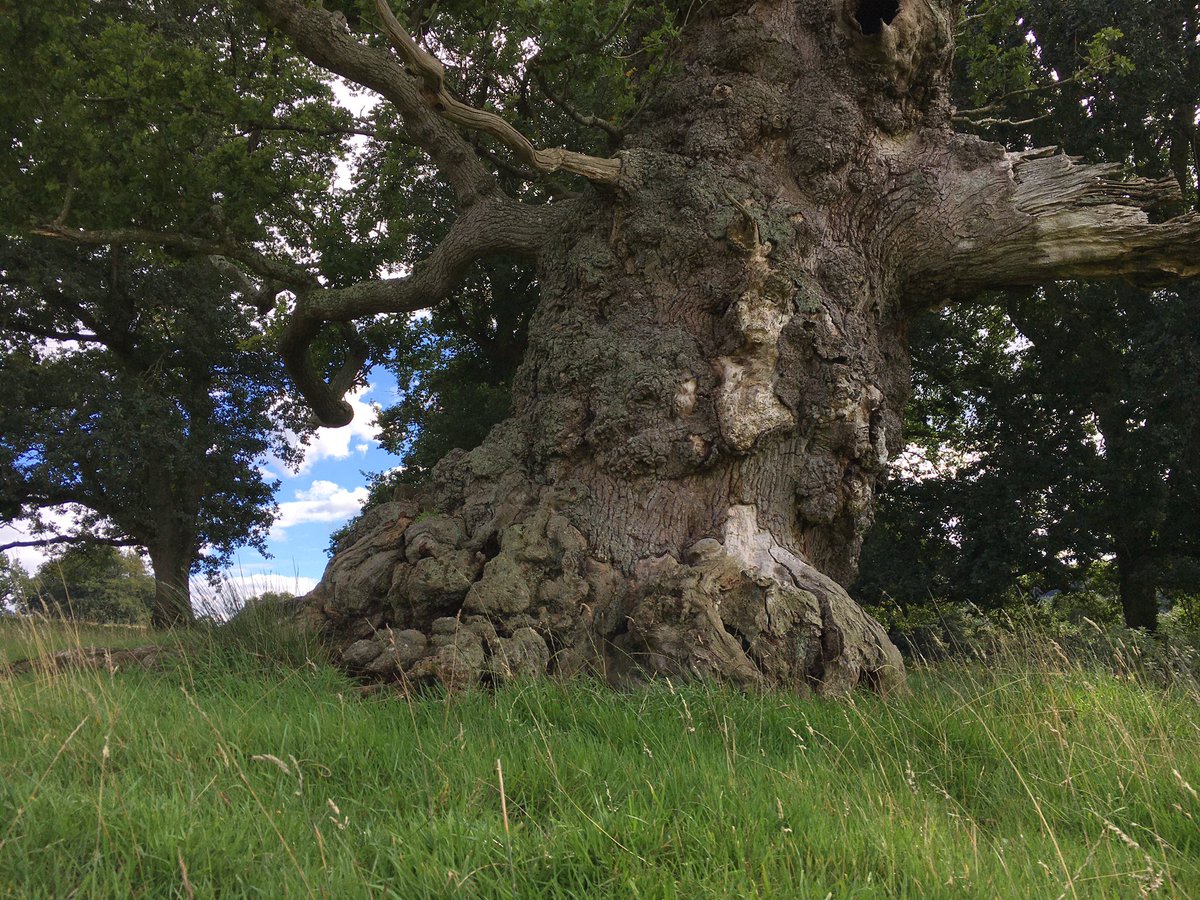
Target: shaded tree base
(507, 586)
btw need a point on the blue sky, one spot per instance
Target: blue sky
(330, 486)
(322, 496)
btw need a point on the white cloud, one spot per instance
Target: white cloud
(323, 501)
(268, 473)
(337, 443)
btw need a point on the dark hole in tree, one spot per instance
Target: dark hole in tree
(872, 15)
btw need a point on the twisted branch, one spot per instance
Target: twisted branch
(497, 226)
(323, 38)
(432, 75)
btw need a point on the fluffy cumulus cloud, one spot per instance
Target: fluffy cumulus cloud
(340, 443)
(355, 439)
(323, 501)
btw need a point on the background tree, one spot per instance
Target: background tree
(1075, 406)
(141, 396)
(15, 585)
(93, 583)
(455, 369)
(716, 366)
(269, 598)
(143, 386)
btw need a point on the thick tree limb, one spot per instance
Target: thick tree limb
(432, 74)
(1012, 219)
(71, 539)
(1089, 223)
(53, 334)
(322, 36)
(261, 296)
(497, 226)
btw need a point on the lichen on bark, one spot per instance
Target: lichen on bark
(717, 365)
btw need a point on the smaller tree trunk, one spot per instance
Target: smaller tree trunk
(172, 593)
(1138, 586)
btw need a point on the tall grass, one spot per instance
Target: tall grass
(250, 768)
(27, 636)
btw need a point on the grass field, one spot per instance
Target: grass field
(245, 771)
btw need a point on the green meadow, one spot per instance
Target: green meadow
(249, 767)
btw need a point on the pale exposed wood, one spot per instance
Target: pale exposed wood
(1026, 218)
(1090, 222)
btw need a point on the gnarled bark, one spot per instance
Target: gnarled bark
(717, 368)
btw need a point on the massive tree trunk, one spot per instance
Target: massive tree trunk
(717, 366)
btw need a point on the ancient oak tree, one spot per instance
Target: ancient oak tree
(717, 365)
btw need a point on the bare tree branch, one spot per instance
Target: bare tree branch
(582, 118)
(316, 131)
(1008, 123)
(497, 226)
(971, 116)
(432, 74)
(553, 187)
(71, 539)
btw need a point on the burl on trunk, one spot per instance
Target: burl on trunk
(717, 366)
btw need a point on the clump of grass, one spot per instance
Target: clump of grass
(1027, 636)
(242, 772)
(263, 639)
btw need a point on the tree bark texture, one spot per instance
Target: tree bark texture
(717, 369)
(172, 591)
